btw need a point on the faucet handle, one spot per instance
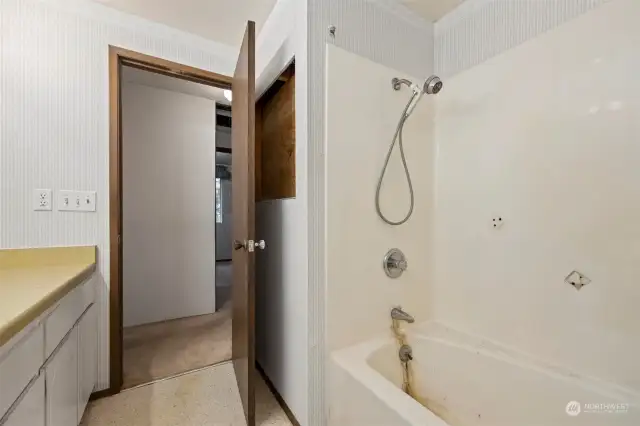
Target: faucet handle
(401, 264)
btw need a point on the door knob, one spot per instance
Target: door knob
(250, 245)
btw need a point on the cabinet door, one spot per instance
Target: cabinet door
(88, 357)
(30, 410)
(62, 383)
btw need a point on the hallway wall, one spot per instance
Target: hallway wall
(168, 178)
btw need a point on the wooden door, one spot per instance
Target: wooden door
(243, 209)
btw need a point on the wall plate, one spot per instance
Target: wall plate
(76, 201)
(42, 200)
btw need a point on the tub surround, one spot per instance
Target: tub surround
(33, 280)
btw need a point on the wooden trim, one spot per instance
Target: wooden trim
(115, 223)
(174, 69)
(119, 57)
(277, 396)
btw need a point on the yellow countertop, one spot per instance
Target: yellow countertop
(33, 280)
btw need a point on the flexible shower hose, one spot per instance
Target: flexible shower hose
(397, 138)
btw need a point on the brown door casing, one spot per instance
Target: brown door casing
(119, 57)
(243, 209)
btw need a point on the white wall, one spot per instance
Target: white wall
(54, 117)
(546, 136)
(168, 186)
(360, 296)
(281, 276)
(386, 33)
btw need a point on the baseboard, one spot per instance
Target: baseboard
(278, 397)
(102, 394)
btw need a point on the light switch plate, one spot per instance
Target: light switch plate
(76, 201)
(42, 199)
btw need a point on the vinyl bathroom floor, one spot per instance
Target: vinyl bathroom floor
(207, 397)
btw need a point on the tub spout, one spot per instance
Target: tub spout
(400, 315)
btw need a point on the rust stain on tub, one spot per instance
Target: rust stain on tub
(439, 409)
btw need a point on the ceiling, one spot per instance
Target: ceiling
(151, 79)
(223, 21)
(431, 10)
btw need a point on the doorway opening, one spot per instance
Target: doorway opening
(176, 217)
(249, 138)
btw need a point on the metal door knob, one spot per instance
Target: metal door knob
(250, 245)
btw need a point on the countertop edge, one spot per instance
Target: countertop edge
(15, 326)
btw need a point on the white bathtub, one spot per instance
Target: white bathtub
(466, 381)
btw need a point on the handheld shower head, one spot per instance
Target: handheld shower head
(432, 85)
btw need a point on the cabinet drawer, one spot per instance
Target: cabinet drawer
(19, 366)
(65, 315)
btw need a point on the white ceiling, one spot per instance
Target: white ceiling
(223, 21)
(431, 10)
(151, 79)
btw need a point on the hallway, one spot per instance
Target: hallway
(205, 397)
(163, 349)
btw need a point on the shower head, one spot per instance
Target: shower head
(432, 85)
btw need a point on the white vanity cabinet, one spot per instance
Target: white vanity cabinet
(87, 357)
(57, 352)
(61, 372)
(30, 411)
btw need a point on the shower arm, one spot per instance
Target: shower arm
(397, 83)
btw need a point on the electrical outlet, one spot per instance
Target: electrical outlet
(77, 201)
(42, 199)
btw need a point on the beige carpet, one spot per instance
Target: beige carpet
(203, 398)
(163, 349)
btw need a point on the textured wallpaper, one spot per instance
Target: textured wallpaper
(480, 29)
(54, 116)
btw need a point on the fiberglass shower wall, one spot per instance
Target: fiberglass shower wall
(545, 136)
(361, 117)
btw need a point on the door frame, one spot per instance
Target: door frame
(119, 57)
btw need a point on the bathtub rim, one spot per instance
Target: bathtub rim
(355, 361)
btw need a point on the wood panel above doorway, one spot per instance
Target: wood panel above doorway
(276, 139)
